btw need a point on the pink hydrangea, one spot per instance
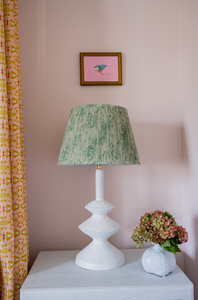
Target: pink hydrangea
(160, 228)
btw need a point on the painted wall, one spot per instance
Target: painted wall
(152, 36)
(189, 98)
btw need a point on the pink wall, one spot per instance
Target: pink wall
(189, 97)
(152, 36)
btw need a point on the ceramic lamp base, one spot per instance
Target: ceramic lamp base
(99, 254)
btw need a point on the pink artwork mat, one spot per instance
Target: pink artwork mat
(93, 65)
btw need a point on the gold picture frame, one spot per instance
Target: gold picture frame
(101, 68)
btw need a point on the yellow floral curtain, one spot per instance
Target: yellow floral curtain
(13, 203)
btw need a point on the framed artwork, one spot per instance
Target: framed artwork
(101, 68)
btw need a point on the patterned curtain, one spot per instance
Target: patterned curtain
(13, 206)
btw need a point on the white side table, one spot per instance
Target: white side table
(54, 276)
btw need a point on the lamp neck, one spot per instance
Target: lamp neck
(99, 184)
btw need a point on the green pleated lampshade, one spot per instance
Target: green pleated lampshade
(98, 134)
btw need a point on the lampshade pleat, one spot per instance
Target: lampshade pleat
(98, 134)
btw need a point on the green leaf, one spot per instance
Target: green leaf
(174, 241)
(177, 249)
(167, 215)
(172, 248)
(167, 243)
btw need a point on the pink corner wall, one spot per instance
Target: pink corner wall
(189, 98)
(148, 33)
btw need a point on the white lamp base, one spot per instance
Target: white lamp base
(99, 254)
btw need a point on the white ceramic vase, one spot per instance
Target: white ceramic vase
(158, 261)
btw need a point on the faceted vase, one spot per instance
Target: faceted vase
(158, 261)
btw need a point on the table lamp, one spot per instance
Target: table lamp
(99, 134)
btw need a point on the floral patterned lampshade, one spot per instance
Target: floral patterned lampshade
(98, 134)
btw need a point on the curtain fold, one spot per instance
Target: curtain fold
(14, 251)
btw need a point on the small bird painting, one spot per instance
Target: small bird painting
(100, 68)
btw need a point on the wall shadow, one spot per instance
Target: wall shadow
(191, 264)
(158, 143)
